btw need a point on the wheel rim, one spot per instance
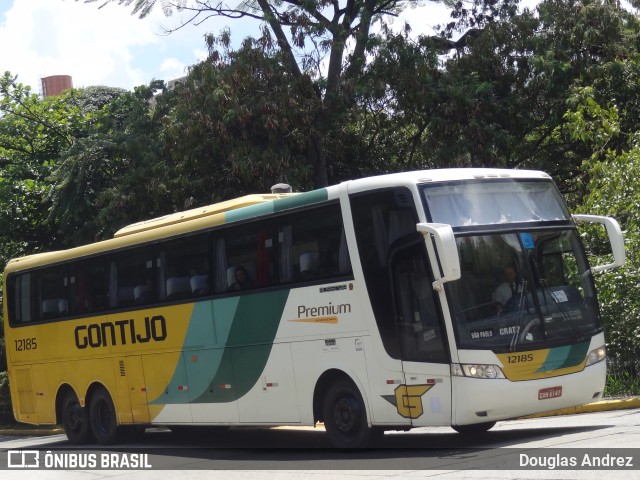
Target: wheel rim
(346, 414)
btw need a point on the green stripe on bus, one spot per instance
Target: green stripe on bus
(564, 357)
(227, 347)
(577, 355)
(245, 213)
(306, 198)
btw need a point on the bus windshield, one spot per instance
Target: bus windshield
(518, 289)
(494, 202)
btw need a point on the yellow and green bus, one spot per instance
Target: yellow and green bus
(372, 305)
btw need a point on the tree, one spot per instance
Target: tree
(34, 135)
(114, 175)
(611, 175)
(339, 31)
(239, 122)
(33, 132)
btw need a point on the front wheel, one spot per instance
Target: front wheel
(75, 419)
(102, 415)
(345, 416)
(473, 429)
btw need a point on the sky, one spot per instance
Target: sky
(111, 47)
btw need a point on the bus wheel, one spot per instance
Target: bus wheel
(475, 428)
(75, 419)
(345, 416)
(102, 416)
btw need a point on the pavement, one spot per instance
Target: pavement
(601, 406)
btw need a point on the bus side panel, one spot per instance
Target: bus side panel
(23, 395)
(211, 386)
(385, 383)
(313, 358)
(273, 399)
(325, 327)
(176, 392)
(131, 390)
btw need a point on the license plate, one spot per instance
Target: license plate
(546, 393)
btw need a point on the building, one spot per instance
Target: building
(55, 84)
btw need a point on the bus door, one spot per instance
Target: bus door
(425, 397)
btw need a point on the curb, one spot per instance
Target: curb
(601, 406)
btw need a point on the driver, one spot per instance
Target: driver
(507, 289)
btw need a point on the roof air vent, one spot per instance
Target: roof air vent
(281, 188)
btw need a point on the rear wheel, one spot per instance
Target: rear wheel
(345, 416)
(102, 416)
(475, 428)
(75, 419)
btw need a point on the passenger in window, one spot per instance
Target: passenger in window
(242, 281)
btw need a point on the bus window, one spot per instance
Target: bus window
(53, 289)
(21, 290)
(244, 258)
(132, 278)
(184, 268)
(88, 284)
(313, 245)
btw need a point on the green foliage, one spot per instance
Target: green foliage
(621, 384)
(6, 412)
(613, 191)
(116, 174)
(240, 123)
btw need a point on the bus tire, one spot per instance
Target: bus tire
(474, 428)
(75, 419)
(345, 416)
(102, 416)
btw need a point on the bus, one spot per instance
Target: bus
(367, 306)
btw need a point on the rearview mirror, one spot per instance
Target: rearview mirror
(616, 240)
(446, 251)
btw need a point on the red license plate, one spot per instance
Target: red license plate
(546, 393)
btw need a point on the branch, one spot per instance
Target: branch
(269, 17)
(301, 4)
(362, 39)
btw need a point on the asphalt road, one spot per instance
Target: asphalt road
(591, 445)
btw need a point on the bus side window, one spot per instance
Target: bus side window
(20, 289)
(132, 278)
(312, 245)
(88, 284)
(184, 268)
(244, 258)
(53, 290)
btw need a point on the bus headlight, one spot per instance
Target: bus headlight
(476, 371)
(596, 356)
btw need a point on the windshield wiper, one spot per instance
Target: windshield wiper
(546, 293)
